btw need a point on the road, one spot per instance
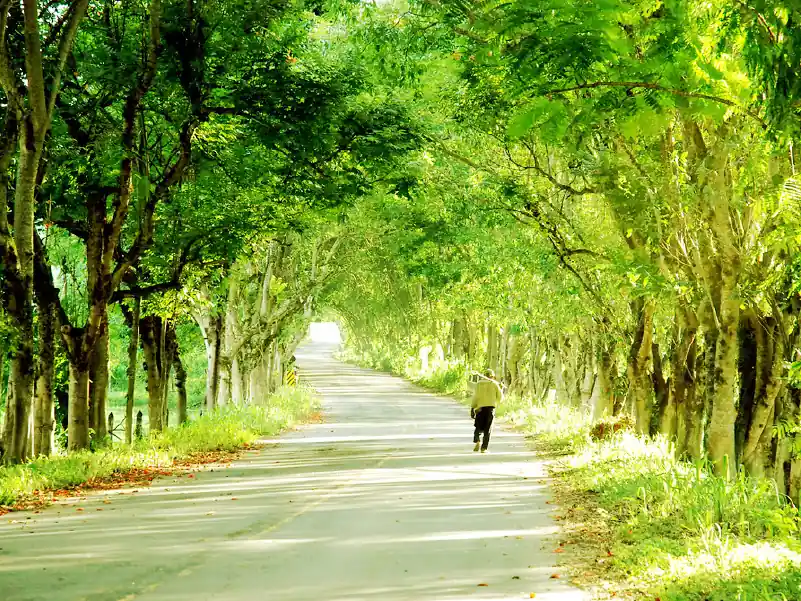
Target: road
(384, 501)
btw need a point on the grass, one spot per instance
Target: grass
(644, 524)
(558, 428)
(679, 533)
(226, 429)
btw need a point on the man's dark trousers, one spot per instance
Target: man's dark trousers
(483, 423)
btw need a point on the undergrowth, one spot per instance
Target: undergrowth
(226, 429)
(680, 533)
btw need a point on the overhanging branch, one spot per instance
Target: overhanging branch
(653, 86)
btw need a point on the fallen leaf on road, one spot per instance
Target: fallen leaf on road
(532, 595)
(234, 499)
(79, 509)
(483, 584)
(555, 576)
(559, 550)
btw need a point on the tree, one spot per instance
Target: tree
(30, 90)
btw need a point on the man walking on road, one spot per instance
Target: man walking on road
(486, 397)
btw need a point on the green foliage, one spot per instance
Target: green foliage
(681, 533)
(450, 378)
(558, 428)
(226, 429)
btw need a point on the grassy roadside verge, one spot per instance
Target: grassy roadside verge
(225, 431)
(639, 523)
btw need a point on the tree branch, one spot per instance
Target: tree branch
(654, 86)
(34, 70)
(555, 182)
(131, 110)
(760, 17)
(173, 284)
(9, 81)
(44, 285)
(144, 239)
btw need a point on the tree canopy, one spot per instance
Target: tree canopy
(597, 199)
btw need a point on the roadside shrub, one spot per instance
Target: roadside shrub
(681, 533)
(560, 428)
(607, 427)
(448, 378)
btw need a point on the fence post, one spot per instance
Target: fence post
(111, 426)
(138, 431)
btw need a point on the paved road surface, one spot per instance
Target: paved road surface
(385, 501)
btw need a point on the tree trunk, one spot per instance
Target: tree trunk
(43, 415)
(682, 380)
(664, 402)
(724, 412)
(3, 380)
(768, 386)
(533, 360)
(165, 392)
(237, 386)
(492, 348)
(98, 383)
(257, 377)
(604, 404)
(589, 379)
(15, 439)
(78, 430)
(169, 349)
(226, 391)
(213, 344)
(787, 467)
(640, 356)
(150, 330)
(16, 436)
(270, 368)
(278, 371)
(751, 365)
(9, 421)
(503, 354)
(224, 387)
(3, 394)
(458, 347)
(133, 351)
(794, 481)
(699, 398)
(180, 386)
(472, 342)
